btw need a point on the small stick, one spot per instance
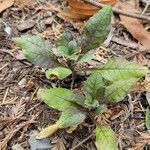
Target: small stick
(117, 11)
(3, 101)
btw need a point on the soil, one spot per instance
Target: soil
(21, 112)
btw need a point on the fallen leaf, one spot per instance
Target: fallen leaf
(134, 26)
(68, 15)
(6, 4)
(80, 11)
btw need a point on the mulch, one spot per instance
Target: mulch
(21, 112)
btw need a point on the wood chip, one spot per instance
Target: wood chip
(6, 4)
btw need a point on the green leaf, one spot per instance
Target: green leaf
(94, 86)
(105, 138)
(148, 118)
(37, 50)
(119, 69)
(68, 118)
(101, 109)
(59, 98)
(96, 29)
(66, 45)
(64, 39)
(63, 50)
(71, 117)
(119, 89)
(85, 58)
(91, 103)
(60, 72)
(72, 47)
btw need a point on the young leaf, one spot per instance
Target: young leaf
(119, 89)
(85, 58)
(91, 103)
(100, 109)
(64, 39)
(96, 29)
(148, 118)
(37, 50)
(59, 98)
(105, 138)
(94, 86)
(116, 69)
(60, 72)
(68, 118)
(66, 45)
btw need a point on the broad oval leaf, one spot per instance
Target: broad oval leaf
(60, 72)
(59, 98)
(105, 138)
(119, 89)
(119, 69)
(96, 29)
(37, 50)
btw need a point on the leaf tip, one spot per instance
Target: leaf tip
(46, 132)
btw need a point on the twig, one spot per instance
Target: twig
(117, 11)
(82, 142)
(4, 99)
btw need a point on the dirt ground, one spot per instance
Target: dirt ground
(22, 113)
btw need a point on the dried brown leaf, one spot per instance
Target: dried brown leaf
(6, 4)
(68, 15)
(134, 26)
(80, 11)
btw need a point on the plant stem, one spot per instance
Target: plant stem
(74, 74)
(117, 11)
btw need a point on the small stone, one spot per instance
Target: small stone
(148, 97)
(2, 135)
(26, 25)
(22, 82)
(43, 144)
(17, 147)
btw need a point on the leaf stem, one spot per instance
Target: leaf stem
(74, 74)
